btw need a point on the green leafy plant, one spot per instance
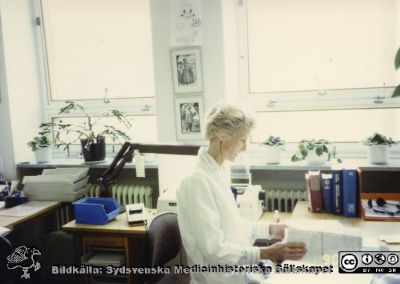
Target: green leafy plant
(320, 147)
(39, 142)
(378, 139)
(90, 129)
(274, 141)
(396, 92)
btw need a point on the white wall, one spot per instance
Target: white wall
(212, 51)
(21, 100)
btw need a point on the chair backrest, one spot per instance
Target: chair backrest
(5, 250)
(163, 239)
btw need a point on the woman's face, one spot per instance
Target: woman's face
(231, 147)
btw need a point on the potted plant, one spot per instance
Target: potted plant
(316, 152)
(378, 148)
(41, 147)
(91, 132)
(274, 146)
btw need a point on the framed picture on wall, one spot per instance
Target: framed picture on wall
(186, 70)
(189, 116)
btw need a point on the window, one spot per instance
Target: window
(96, 45)
(320, 68)
(315, 46)
(100, 51)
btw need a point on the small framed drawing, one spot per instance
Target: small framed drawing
(186, 70)
(189, 116)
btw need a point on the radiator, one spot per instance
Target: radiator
(282, 200)
(126, 193)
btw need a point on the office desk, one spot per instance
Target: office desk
(119, 234)
(367, 228)
(115, 234)
(40, 208)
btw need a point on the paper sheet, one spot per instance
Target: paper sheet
(390, 239)
(18, 211)
(329, 278)
(322, 240)
(23, 209)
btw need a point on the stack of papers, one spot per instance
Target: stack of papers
(61, 184)
(109, 258)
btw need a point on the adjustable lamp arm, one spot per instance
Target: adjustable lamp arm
(109, 176)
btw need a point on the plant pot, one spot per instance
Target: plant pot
(42, 155)
(273, 154)
(94, 150)
(378, 154)
(313, 159)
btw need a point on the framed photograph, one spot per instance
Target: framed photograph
(186, 69)
(189, 115)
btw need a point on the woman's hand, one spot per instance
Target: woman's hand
(281, 251)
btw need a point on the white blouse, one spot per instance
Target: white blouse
(212, 230)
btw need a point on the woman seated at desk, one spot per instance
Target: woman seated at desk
(212, 230)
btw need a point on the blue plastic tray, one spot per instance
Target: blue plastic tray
(95, 210)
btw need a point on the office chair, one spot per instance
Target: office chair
(5, 250)
(163, 243)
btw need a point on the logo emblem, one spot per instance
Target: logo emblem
(367, 259)
(24, 258)
(393, 259)
(349, 262)
(380, 258)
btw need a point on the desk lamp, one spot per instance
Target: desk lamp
(125, 153)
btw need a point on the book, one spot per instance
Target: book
(314, 194)
(337, 188)
(326, 186)
(323, 239)
(350, 193)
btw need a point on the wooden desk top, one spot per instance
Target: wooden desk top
(368, 228)
(35, 209)
(117, 226)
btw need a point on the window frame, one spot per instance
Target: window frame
(140, 106)
(308, 100)
(329, 99)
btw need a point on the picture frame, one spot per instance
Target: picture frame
(189, 116)
(186, 70)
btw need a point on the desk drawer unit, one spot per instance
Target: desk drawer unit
(89, 241)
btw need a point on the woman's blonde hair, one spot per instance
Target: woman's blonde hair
(226, 119)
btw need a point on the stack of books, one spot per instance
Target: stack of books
(333, 191)
(60, 184)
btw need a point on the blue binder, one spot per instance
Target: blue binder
(337, 192)
(350, 194)
(326, 185)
